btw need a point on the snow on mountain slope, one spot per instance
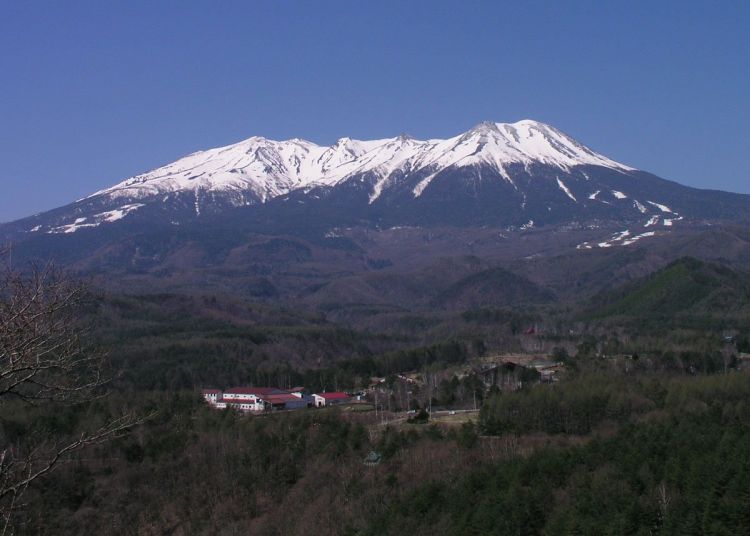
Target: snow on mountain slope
(501, 144)
(258, 169)
(263, 168)
(513, 175)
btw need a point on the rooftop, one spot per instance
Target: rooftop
(281, 398)
(333, 396)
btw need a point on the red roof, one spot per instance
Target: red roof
(282, 398)
(333, 396)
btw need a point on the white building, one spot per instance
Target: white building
(212, 396)
(330, 399)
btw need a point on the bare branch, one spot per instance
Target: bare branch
(43, 360)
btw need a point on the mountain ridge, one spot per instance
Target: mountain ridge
(268, 168)
(509, 176)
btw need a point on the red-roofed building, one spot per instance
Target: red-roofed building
(289, 401)
(330, 399)
(257, 399)
(249, 398)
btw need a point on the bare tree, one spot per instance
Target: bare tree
(664, 499)
(44, 362)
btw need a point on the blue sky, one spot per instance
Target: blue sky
(94, 92)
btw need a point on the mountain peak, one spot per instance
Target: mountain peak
(258, 169)
(484, 126)
(530, 123)
(526, 142)
(519, 175)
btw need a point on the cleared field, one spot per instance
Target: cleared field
(454, 417)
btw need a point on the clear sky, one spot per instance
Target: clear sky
(94, 92)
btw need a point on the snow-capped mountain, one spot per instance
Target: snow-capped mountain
(251, 171)
(511, 175)
(257, 169)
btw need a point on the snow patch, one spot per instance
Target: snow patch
(419, 188)
(623, 238)
(617, 237)
(619, 195)
(565, 189)
(117, 214)
(638, 237)
(663, 208)
(103, 217)
(71, 228)
(637, 204)
(620, 235)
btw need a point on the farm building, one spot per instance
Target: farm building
(295, 400)
(257, 399)
(330, 399)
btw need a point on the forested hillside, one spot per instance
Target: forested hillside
(601, 454)
(642, 429)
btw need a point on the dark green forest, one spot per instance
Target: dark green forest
(605, 453)
(645, 431)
